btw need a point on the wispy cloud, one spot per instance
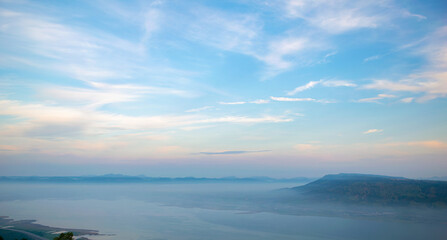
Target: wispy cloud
(376, 99)
(305, 147)
(430, 144)
(223, 30)
(346, 15)
(199, 109)
(90, 121)
(232, 103)
(286, 99)
(309, 85)
(279, 49)
(232, 152)
(102, 93)
(258, 101)
(372, 58)
(373, 131)
(430, 81)
(338, 83)
(325, 83)
(407, 100)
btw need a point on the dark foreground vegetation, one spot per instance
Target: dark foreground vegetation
(28, 229)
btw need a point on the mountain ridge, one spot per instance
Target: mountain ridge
(376, 189)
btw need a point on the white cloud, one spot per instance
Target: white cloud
(232, 103)
(344, 15)
(199, 109)
(373, 131)
(223, 30)
(285, 99)
(325, 83)
(244, 34)
(372, 58)
(103, 93)
(407, 100)
(260, 101)
(309, 85)
(432, 79)
(29, 117)
(338, 83)
(376, 99)
(306, 147)
(279, 49)
(335, 16)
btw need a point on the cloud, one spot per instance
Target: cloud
(199, 109)
(8, 148)
(309, 85)
(258, 101)
(430, 144)
(232, 103)
(373, 131)
(325, 83)
(338, 83)
(223, 30)
(282, 48)
(431, 81)
(407, 100)
(79, 51)
(232, 152)
(244, 33)
(375, 99)
(241, 119)
(102, 93)
(285, 99)
(38, 119)
(372, 58)
(306, 147)
(337, 17)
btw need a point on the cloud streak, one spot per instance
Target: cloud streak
(325, 83)
(232, 152)
(376, 99)
(373, 131)
(286, 99)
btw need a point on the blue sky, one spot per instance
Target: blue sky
(218, 88)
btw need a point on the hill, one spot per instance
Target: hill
(119, 178)
(376, 189)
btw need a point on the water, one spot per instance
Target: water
(188, 211)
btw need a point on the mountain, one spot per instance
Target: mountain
(119, 178)
(375, 189)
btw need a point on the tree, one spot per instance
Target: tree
(64, 236)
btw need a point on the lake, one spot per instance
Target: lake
(190, 211)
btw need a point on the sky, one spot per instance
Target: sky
(280, 88)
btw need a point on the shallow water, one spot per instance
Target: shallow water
(188, 211)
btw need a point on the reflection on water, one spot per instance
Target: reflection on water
(189, 211)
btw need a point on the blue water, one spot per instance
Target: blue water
(187, 211)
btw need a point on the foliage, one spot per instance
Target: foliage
(65, 236)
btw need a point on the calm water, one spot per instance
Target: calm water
(188, 211)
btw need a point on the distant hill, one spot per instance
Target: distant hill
(376, 189)
(118, 178)
(444, 178)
